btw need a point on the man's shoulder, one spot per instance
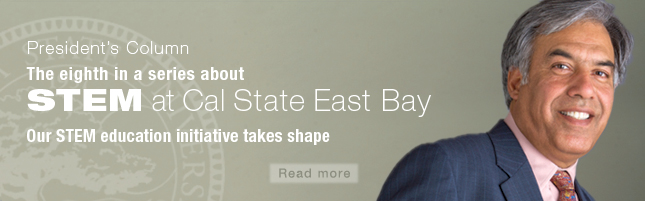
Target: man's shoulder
(433, 171)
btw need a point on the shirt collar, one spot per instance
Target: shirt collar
(542, 167)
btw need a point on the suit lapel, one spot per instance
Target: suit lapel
(521, 183)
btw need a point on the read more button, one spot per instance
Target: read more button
(313, 173)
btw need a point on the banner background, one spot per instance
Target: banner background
(450, 50)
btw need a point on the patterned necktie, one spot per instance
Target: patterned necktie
(563, 182)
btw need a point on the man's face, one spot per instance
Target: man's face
(565, 105)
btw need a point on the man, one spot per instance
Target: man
(561, 62)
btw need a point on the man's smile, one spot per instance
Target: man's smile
(576, 115)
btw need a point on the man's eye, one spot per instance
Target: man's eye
(602, 74)
(561, 66)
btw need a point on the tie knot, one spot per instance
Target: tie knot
(562, 180)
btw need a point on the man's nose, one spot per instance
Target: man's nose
(581, 84)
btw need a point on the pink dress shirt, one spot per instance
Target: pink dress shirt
(543, 168)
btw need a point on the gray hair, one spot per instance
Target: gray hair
(551, 16)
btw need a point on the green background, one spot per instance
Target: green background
(447, 49)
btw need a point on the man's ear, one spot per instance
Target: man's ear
(514, 82)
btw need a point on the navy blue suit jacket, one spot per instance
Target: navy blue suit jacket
(486, 166)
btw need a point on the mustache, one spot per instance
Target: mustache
(580, 103)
